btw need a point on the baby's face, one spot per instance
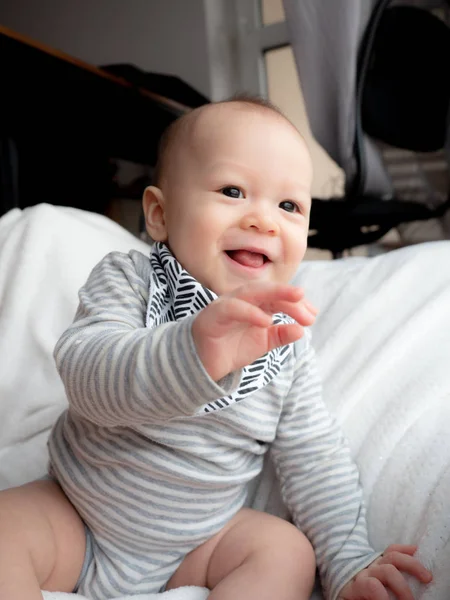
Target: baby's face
(237, 199)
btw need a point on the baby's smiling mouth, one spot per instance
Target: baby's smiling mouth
(248, 258)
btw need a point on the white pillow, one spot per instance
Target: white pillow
(46, 254)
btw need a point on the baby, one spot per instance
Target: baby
(181, 371)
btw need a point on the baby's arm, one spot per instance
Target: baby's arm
(118, 372)
(320, 485)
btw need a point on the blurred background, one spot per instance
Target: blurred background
(90, 85)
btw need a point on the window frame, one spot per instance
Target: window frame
(237, 42)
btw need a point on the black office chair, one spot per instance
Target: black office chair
(402, 100)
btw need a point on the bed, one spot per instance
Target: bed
(382, 339)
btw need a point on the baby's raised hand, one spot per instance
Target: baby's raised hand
(237, 328)
(384, 574)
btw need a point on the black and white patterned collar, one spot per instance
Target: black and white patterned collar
(174, 295)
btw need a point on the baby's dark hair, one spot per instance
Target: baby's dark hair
(172, 133)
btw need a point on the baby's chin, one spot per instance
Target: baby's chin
(228, 287)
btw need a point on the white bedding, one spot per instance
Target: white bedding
(382, 338)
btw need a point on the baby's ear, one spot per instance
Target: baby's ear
(155, 221)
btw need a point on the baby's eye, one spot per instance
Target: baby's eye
(232, 192)
(289, 206)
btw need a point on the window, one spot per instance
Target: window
(250, 52)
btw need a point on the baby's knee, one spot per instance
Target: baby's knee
(13, 515)
(285, 556)
(292, 548)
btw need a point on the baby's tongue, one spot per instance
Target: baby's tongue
(247, 258)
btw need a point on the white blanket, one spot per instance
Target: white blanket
(382, 338)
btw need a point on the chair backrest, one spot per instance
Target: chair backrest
(406, 96)
(403, 83)
(327, 38)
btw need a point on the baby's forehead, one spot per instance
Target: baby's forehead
(206, 121)
(211, 123)
(200, 129)
(201, 133)
(209, 117)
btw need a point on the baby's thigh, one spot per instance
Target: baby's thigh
(266, 540)
(42, 530)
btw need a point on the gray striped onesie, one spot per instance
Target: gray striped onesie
(153, 475)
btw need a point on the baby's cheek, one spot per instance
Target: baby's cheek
(292, 266)
(299, 253)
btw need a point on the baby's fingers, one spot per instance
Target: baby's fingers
(240, 311)
(366, 588)
(391, 578)
(406, 563)
(281, 335)
(276, 298)
(297, 310)
(269, 295)
(302, 312)
(404, 548)
(312, 309)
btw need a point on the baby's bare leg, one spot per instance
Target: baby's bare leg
(42, 541)
(255, 557)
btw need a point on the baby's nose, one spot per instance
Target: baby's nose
(260, 222)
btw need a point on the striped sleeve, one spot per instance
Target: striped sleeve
(117, 372)
(320, 482)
